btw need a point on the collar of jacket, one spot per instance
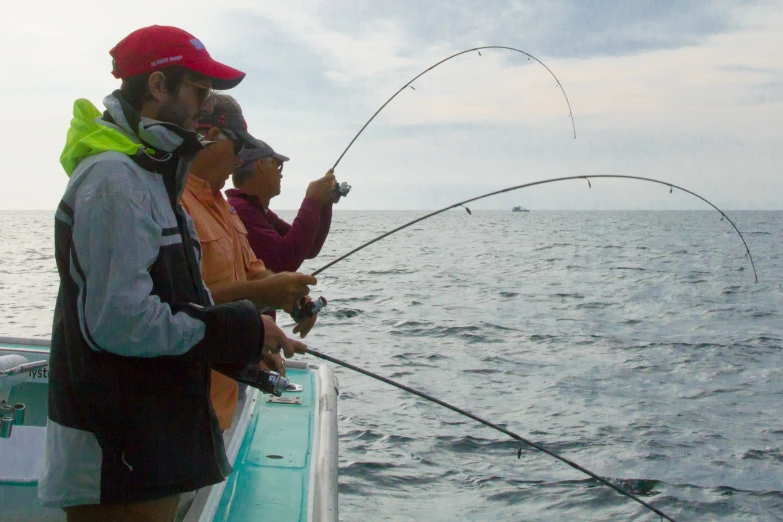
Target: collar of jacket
(250, 198)
(123, 130)
(169, 149)
(162, 137)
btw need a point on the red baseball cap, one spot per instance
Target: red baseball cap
(156, 47)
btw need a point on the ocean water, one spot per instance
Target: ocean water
(633, 343)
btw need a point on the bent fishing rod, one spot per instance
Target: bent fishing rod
(511, 434)
(478, 50)
(544, 182)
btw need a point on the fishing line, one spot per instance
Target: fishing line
(478, 49)
(511, 434)
(543, 182)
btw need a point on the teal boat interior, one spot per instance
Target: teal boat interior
(283, 449)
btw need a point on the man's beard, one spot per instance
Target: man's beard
(172, 112)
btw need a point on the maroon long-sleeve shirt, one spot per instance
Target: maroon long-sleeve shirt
(282, 247)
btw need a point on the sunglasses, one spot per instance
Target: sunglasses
(279, 164)
(204, 92)
(239, 144)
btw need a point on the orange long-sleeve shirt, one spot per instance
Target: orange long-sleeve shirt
(226, 256)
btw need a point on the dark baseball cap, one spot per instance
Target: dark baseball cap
(233, 123)
(261, 150)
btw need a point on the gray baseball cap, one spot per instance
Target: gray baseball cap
(258, 149)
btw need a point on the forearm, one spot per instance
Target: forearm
(255, 290)
(234, 333)
(323, 230)
(286, 252)
(262, 274)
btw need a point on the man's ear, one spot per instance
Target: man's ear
(213, 133)
(157, 86)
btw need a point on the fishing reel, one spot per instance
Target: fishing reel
(305, 309)
(341, 190)
(268, 382)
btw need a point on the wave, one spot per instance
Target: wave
(773, 454)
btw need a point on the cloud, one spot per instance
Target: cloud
(563, 28)
(685, 89)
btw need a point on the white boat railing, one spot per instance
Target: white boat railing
(23, 368)
(25, 341)
(324, 507)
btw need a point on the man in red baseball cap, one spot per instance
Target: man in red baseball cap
(136, 332)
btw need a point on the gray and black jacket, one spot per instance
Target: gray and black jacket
(135, 332)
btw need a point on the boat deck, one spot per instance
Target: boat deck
(274, 462)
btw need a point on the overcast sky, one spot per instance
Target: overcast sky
(687, 92)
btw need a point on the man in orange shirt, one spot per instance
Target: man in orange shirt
(228, 265)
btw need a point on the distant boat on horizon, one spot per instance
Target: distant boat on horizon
(519, 209)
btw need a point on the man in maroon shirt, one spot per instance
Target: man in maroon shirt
(282, 247)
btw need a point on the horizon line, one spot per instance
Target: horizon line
(484, 210)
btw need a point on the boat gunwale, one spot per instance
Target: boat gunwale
(325, 465)
(314, 447)
(25, 341)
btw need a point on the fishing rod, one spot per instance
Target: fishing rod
(477, 49)
(511, 434)
(543, 182)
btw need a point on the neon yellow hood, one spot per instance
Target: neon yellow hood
(87, 138)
